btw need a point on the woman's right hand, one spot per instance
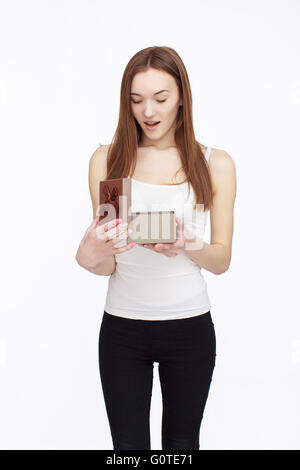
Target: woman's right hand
(100, 239)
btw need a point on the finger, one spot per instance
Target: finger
(162, 248)
(180, 227)
(151, 247)
(184, 232)
(95, 222)
(159, 246)
(189, 234)
(115, 240)
(102, 232)
(165, 246)
(92, 225)
(104, 227)
(119, 229)
(124, 248)
(100, 235)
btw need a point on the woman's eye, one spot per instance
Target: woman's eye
(159, 101)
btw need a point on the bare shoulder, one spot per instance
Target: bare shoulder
(220, 160)
(97, 164)
(97, 172)
(222, 168)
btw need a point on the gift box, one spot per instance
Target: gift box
(153, 227)
(115, 198)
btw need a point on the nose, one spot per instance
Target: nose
(148, 111)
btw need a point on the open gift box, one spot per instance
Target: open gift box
(115, 198)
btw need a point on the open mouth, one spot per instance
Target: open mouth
(151, 126)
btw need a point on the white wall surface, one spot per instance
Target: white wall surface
(61, 69)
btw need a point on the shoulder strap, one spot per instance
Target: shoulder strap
(207, 153)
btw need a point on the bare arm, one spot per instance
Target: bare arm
(216, 256)
(97, 172)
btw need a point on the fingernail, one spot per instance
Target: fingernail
(132, 245)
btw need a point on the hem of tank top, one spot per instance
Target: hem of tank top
(208, 309)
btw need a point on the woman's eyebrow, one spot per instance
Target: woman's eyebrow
(153, 93)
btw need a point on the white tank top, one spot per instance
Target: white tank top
(147, 285)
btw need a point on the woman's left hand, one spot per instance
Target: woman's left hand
(172, 249)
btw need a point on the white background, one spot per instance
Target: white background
(61, 69)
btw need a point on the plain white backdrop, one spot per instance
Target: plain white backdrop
(61, 68)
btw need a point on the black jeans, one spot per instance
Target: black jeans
(185, 350)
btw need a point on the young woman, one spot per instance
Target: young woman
(157, 307)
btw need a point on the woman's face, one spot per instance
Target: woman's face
(149, 105)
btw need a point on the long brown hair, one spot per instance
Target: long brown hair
(122, 153)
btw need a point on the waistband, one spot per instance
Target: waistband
(161, 323)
